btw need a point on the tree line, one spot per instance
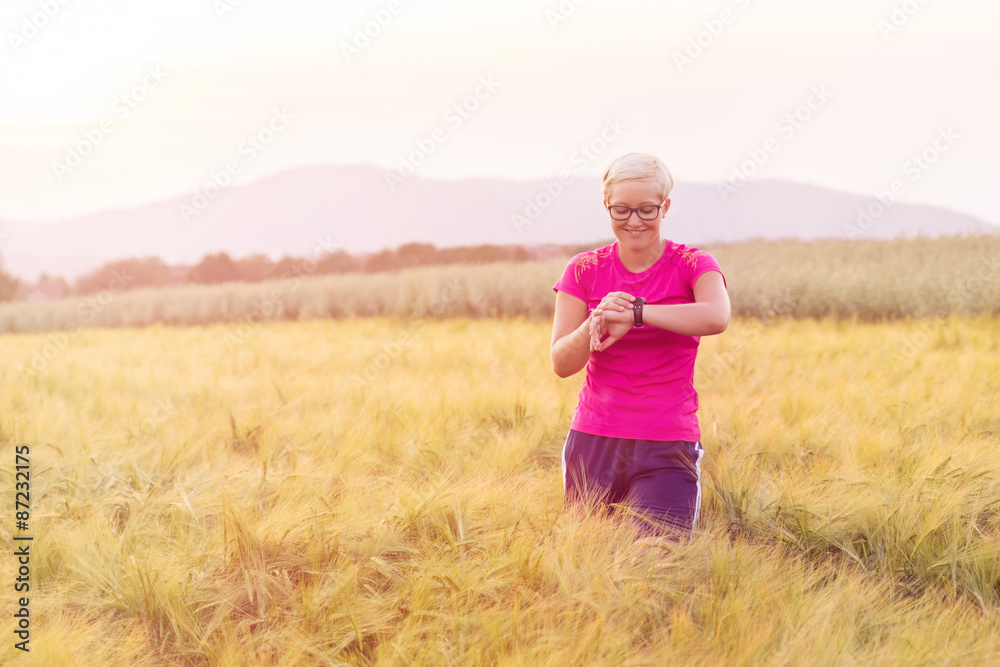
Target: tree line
(220, 267)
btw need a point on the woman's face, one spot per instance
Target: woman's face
(635, 234)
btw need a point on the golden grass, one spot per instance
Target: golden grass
(370, 491)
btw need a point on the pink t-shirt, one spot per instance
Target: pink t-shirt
(642, 386)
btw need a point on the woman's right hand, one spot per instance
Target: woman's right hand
(619, 301)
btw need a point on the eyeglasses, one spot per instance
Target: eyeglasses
(623, 213)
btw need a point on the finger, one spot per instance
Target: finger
(597, 334)
(616, 304)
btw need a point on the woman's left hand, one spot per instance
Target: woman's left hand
(614, 323)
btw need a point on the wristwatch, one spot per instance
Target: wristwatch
(637, 311)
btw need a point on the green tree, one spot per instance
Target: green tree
(130, 273)
(416, 254)
(217, 268)
(255, 268)
(338, 262)
(383, 260)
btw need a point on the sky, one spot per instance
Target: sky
(116, 103)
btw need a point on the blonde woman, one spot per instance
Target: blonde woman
(633, 314)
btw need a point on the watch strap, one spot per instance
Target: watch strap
(637, 311)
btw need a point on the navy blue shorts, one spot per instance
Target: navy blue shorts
(659, 479)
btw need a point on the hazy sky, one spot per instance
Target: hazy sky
(111, 103)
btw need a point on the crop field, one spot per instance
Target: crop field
(865, 280)
(383, 490)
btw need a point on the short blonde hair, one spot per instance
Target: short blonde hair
(638, 167)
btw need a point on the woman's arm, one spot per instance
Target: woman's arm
(708, 315)
(570, 348)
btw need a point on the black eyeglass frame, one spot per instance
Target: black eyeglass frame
(634, 210)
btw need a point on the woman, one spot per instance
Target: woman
(633, 313)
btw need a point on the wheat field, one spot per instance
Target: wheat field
(378, 491)
(867, 280)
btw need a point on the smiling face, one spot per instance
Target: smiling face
(638, 236)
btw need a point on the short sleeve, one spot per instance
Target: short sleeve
(571, 280)
(698, 263)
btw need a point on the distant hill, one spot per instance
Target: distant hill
(300, 210)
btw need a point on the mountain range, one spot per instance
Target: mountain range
(364, 209)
